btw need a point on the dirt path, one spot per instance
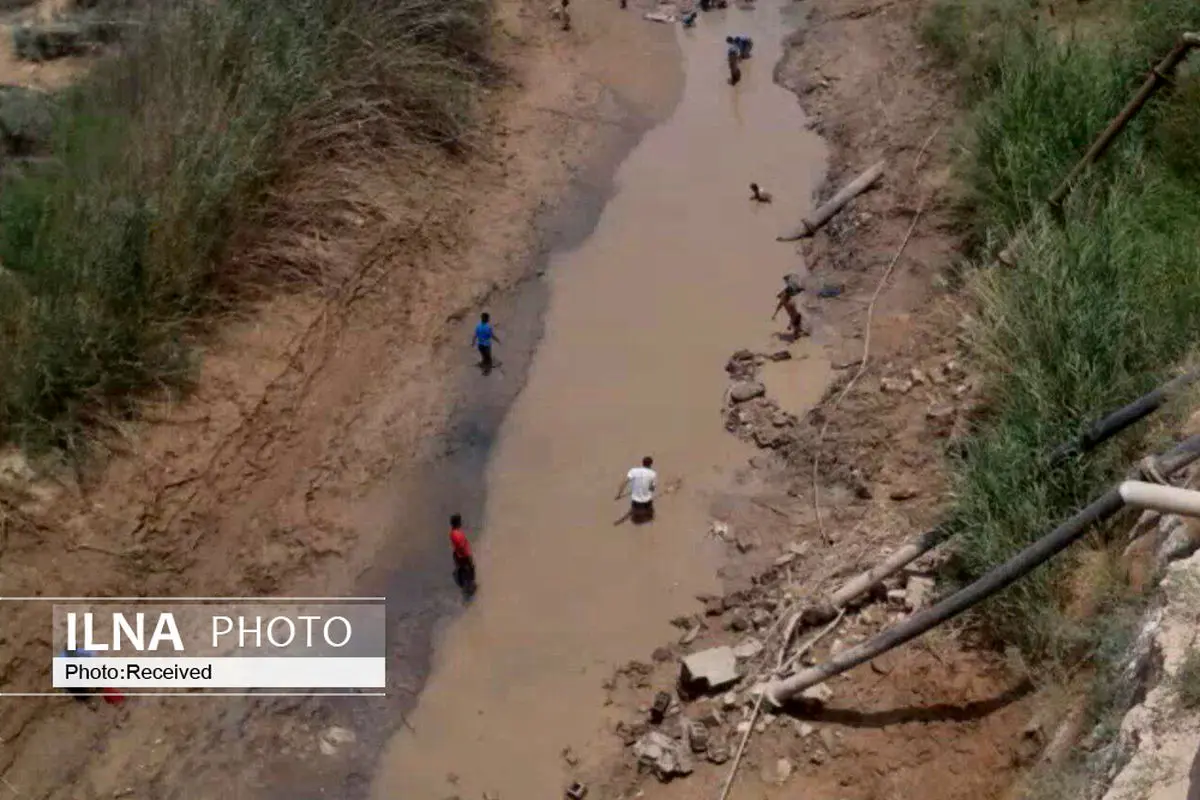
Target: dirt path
(681, 269)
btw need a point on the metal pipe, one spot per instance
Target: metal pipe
(780, 691)
(1157, 77)
(1105, 428)
(1164, 499)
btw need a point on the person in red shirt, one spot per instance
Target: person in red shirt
(464, 563)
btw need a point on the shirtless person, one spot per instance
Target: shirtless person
(787, 302)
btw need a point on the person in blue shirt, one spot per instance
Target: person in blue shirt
(483, 338)
(740, 45)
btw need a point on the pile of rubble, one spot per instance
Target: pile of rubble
(713, 703)
(749, 413)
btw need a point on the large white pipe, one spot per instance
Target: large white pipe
(1164, 499)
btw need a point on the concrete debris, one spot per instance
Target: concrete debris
(631, 732)
(719, 530)
(803, 729)
(917, 592)
(696, 736)
(897, 598)
(748, 648)
(820, 694)
(743, 391)
(662, 702)
(709, 670)
(718, 750)
(662, 755)
(690, 634)
(576, 791)
(730, 700)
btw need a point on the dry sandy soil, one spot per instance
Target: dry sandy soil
(937, 718)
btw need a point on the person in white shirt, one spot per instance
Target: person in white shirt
(642, 482)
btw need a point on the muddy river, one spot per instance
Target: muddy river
(680, 270)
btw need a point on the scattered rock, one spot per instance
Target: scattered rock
(742, 727)
(662, 755)
(569, 756)
(813, 616)
(917, 592)
(940, 411)
(917, 377)
(803, 729)
(819, 694)
(709, 670)
(332, 739)
(744, 543)
(719, 530)
(748, 648)
(697, 736)
(713, 718)
(760, 618)
(738, 622)
(818, 757)
(781, 355)
(783, 771)
(713, 607)
(660, 655)
(631, 732)
(903, 493)
(683, 622)
(730, 700)
(743, 391)
(690, 634)
(718, 750)
(1182, 541)
(799, 548)
(576, 791)
(896, 385)
(897, 598)
(784, 559)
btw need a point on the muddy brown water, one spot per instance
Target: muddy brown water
(679, 271)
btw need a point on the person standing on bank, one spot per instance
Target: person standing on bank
(642, 482)
(464, 562)
(483, 338)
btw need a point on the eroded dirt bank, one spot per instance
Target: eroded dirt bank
(329, 436)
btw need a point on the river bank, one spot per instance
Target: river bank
(329, 436)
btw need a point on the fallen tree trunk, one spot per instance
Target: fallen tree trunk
(779, 692)
(811, 224)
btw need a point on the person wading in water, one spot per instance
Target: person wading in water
(787, 302)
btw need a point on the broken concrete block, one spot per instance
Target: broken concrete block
(742, 391)
(697, 736)
(662, 755)
(748, 648)
(917, 592)
(718, 750)
(821, 693)
(576, 791)
(709, 670)
(662, 702)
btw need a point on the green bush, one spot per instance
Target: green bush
(1100, 305)
(162, 153)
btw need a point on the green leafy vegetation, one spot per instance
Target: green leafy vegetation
(115, 247)
(1100, 306)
